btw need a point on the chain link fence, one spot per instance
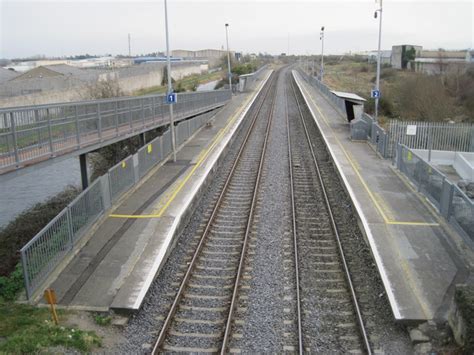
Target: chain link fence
(46, 250)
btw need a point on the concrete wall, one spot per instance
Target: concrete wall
(130, 79)
(464, 165)
(462, 162)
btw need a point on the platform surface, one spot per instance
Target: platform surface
(419, 257)
(120, 259)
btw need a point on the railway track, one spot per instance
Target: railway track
(328, 312)
(200, 318)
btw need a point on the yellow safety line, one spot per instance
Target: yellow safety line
(202, 156)
(361, 179)
(424, 307)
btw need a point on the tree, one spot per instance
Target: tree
(104, 89)
(407, 56)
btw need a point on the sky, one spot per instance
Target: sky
(63, 28)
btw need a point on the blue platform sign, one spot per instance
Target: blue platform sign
(375, 94)
(171, 98)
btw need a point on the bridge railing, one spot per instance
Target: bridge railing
(31, 132)
(42, 254)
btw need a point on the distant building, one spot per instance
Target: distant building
(49, 71)
(440, 61)
(402, 54)
(6, 75)
(385, 57)
(470, 56)
(183, 53)
(214, 56)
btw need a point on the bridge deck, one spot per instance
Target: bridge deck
(416, 252)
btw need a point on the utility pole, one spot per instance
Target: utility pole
(321, 37)
(288, 49)
(377, 82)
(228, 56)
(170, 86)
(129, 47)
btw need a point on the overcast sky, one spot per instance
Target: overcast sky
(60, 28)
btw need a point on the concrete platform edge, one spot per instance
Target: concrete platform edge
(360, 215)
(182, 219)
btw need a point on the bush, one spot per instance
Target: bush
(422, 97)
(24, 227)
(11, 285)
(104, 89)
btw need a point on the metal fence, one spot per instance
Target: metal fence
(414, 134)
(121, 177)
(451, 202)
(44, 252)
(457, 137)
(31, 132)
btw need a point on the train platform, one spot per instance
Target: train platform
(420, 258)
(121, 255)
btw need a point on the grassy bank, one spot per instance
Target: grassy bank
(406, 95)
(188, 83)
(26, 329)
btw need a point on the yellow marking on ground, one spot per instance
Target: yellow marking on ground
(387, 210)
(202, 158)
(177, 187)
(354, 164)
(403, 261)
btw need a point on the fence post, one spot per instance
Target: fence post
(105, 192)
(399, 156)
(472, 139)
(15, 138)
(116, 119)
(50, 133)
(446, 200)
(130, 114)
(78, 133)
(24, 267)
(99, 122)
(143, 112)
(136, 173)
(69, 226)
(38, 128)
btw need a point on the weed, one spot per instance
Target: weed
(27, 329)
(102, 319)
(12, 284)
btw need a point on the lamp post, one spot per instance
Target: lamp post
(228, 55)
(321, 37)
(170, 86)
(377, 81)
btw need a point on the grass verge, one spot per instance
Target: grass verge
(26, 329)
(188, 83)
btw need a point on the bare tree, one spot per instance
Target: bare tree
(104, 89)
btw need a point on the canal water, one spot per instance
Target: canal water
(36, 185)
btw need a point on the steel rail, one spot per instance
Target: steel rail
(336, 232)
(174, 307)
(295, 242)
(228, 326)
